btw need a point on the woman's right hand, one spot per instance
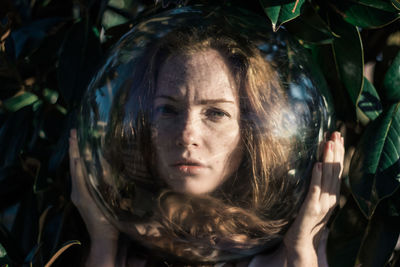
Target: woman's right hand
(103, 235)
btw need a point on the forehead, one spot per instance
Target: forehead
(199, 75)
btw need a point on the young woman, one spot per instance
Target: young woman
(205, 125)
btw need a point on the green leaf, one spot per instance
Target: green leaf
(50, 95)
(346, 234)
(61, 147)
(4, 260)
(380, 235)
(36, 106)
(273, 13)
(29, 37)
(280, 12)
(310, 27)
(3, 252)
(13, 184)
(79, 56)
(61, 109)
(348, 53)
(396, 4)
(7, 240)
(13, 135)
(369, 105)
(367, 13)
(32, 254)
(17, 102)
(26, 233)
(377, 4)
(375, 166)
(391, 82)
(324, 56)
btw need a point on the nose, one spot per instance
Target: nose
(189, 132)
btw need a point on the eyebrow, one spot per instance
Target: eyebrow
(202, 102)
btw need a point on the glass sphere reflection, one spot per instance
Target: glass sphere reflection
(200, 131)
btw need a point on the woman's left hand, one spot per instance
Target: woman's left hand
(303, 238)
(323, 196)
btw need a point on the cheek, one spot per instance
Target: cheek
(161, 133)
(159, 142)
(226, 145)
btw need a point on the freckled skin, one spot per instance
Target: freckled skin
(196, 119)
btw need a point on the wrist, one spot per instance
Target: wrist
(102, 252)
(299, 255)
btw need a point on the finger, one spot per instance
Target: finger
(315, 185)
(339, 152)
(339, 159)
(327, 168)
(73, 145)
(76, 168)
(79, 190)
(79, 174)
(331, 177)
(327, 160)
(73, 153)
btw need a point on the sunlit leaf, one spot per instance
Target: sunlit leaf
(392, 81)
(396, 4)
(280, 12)
(3, 251)
(272, 12)
(50, 95)
(17, 102)
(4, 260)
(375, 167)
(348, 51)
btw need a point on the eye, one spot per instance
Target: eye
(166, 110)
(216, 114)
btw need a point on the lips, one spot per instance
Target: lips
(188, 166)
(188, 162)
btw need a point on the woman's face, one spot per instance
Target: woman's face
(196, 130)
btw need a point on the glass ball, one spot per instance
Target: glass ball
(199, 133)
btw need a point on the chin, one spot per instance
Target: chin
(193, 187)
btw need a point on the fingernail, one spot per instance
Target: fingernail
(342, 140)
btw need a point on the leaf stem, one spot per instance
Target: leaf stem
(295, 6)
